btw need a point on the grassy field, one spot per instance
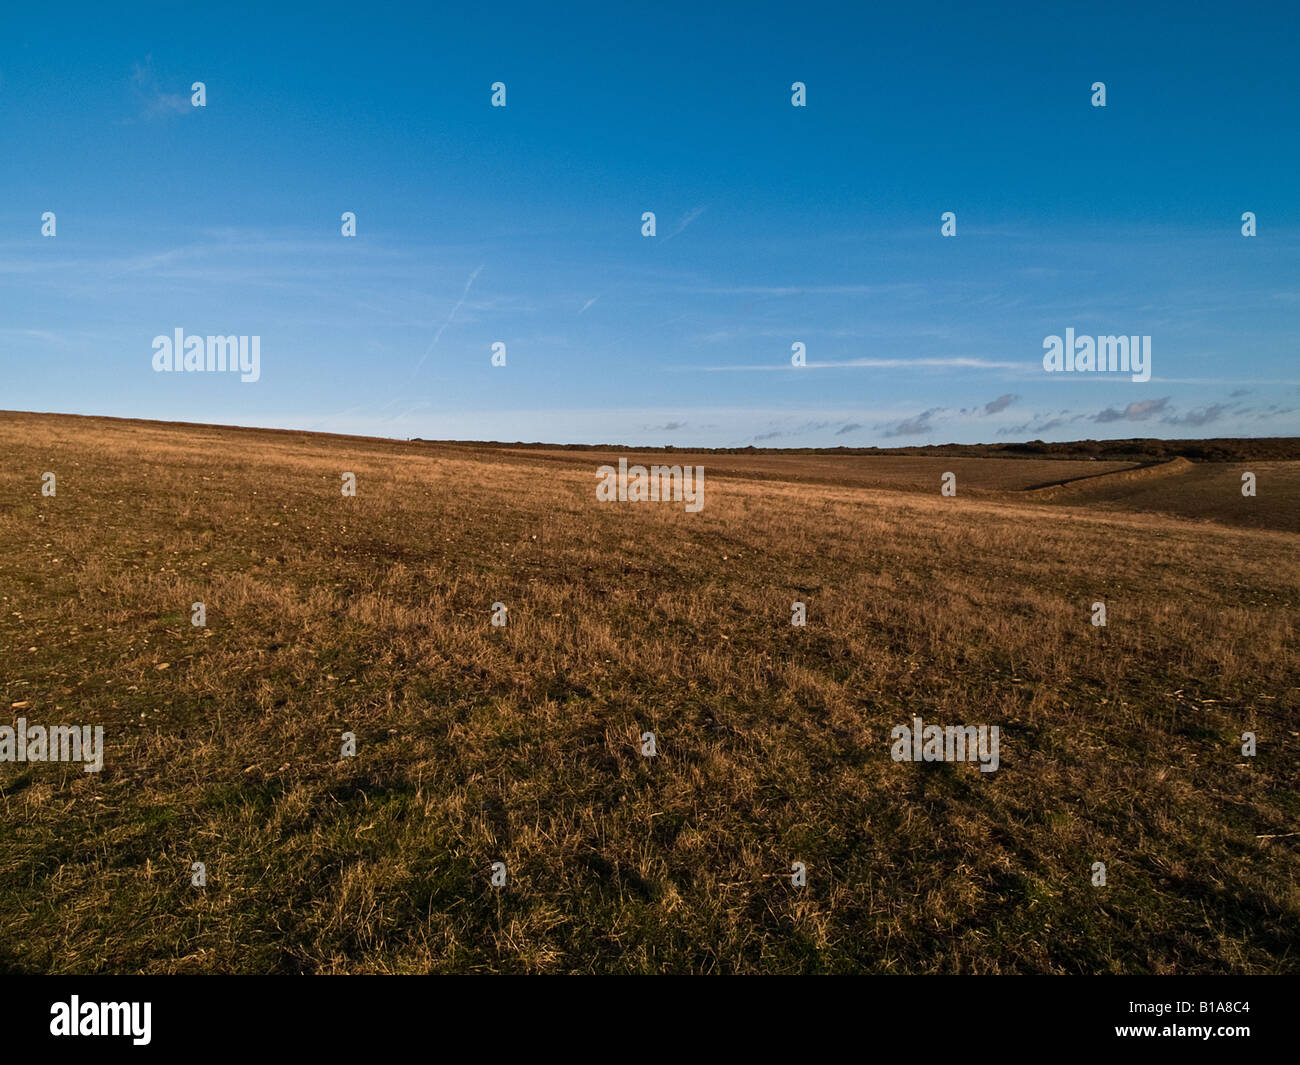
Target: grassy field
(906, 473)
(521, 744)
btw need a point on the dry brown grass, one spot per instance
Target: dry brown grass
(1209, 491)
(909, 473)
(476, 744)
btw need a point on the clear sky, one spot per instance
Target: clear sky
(775, 224)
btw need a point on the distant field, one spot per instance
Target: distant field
(903, 472)
(521, 744)
(1208, 491)
(1200, 491)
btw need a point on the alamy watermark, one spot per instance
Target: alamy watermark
(636, 484)
(195, 354)
(946, 743)
(75, 1017)
(1103, 354)
(58, 743)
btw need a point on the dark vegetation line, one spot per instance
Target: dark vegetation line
(1143, 451)
(1112, 474)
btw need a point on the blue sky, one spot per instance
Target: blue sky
(775, 224)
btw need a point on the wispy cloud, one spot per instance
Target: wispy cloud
(891, 288)
(153, 102)
(870, 363)
(1134, 412)
(999, 404)
(1203, 416)
(1032, 427)
(917, 426)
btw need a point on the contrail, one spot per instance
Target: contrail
(687, 219)
(438, 334)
